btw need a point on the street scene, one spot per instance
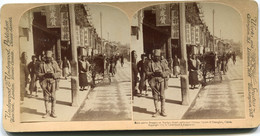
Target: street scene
(187, 62)
(75, 64)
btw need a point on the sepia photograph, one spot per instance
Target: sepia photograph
(187, 62)
(75, 64)
(130, 66)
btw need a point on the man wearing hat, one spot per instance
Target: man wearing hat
(48, 73)
(156, 72)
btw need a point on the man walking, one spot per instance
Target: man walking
(157, 71)
(32, 66)
(48, 73)
(141, 70)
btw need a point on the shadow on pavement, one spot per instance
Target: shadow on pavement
(31, 111)
(141, 110)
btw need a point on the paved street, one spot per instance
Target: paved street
(222, 100)
(109, 102)
(33, 108)
(144, 106)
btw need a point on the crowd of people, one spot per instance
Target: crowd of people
(47, 72)
(153, 71)
(44, 72)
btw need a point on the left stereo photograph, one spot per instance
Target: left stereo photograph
(75, 64)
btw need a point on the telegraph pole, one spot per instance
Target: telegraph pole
(213, 31)
(101, 30)
(74, 63)
(184, 65)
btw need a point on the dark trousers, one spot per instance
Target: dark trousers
(158, 93)
(142, 82)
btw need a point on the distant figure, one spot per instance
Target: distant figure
(224, 63)
(141, 70)
(48, 72)
(24, 73)
(234, 58)
(193, 74)
(134, 73)
(65, 65)
(122, 60)
(113, 62)
(83, 69)
(32, 67)
(176, 66)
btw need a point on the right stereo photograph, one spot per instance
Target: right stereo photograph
(187, 62)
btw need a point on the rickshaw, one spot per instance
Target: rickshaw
(210, 67)
(99, 69)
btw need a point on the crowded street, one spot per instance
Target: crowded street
(109, 102)
(223, 100)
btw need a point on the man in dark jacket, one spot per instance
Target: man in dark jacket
(157, 71)
(141, 70)
(134, 73)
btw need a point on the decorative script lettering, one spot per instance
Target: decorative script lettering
(8, 75)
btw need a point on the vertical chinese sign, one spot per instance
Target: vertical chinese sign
(77, 35)
(192, 35)
(197, 34)
(53, 16)
(163, 15)
(65, 29)
(86, 36)
(188, 33)
(175, 28)
(82, 37)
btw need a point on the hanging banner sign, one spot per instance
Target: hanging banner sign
(53, 16)
(202, 37)
(86, 36)
(77, 31)
(65, 32)
(82, 37)
(175, 28)
(188, 33)
(197, 34)
(163, 15)
(192, 35)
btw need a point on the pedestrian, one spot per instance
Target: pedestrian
(65, 65)
(24, 73)
(122, 60)
(193, 74)
(141, 70)
(83, 69)
(113, 65)
(234, 58)
(134, 73)
(48, 72)
(223, 63)
(32, 67)
(176, 66)
(157, 71)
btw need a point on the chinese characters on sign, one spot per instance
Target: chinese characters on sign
(188, 33)
(82, 37)
(86, 36)
(175, 24)
(53, 16)
(163, 15)
(197, 34)
(65, 32)
(77, 35)
(192, 35)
